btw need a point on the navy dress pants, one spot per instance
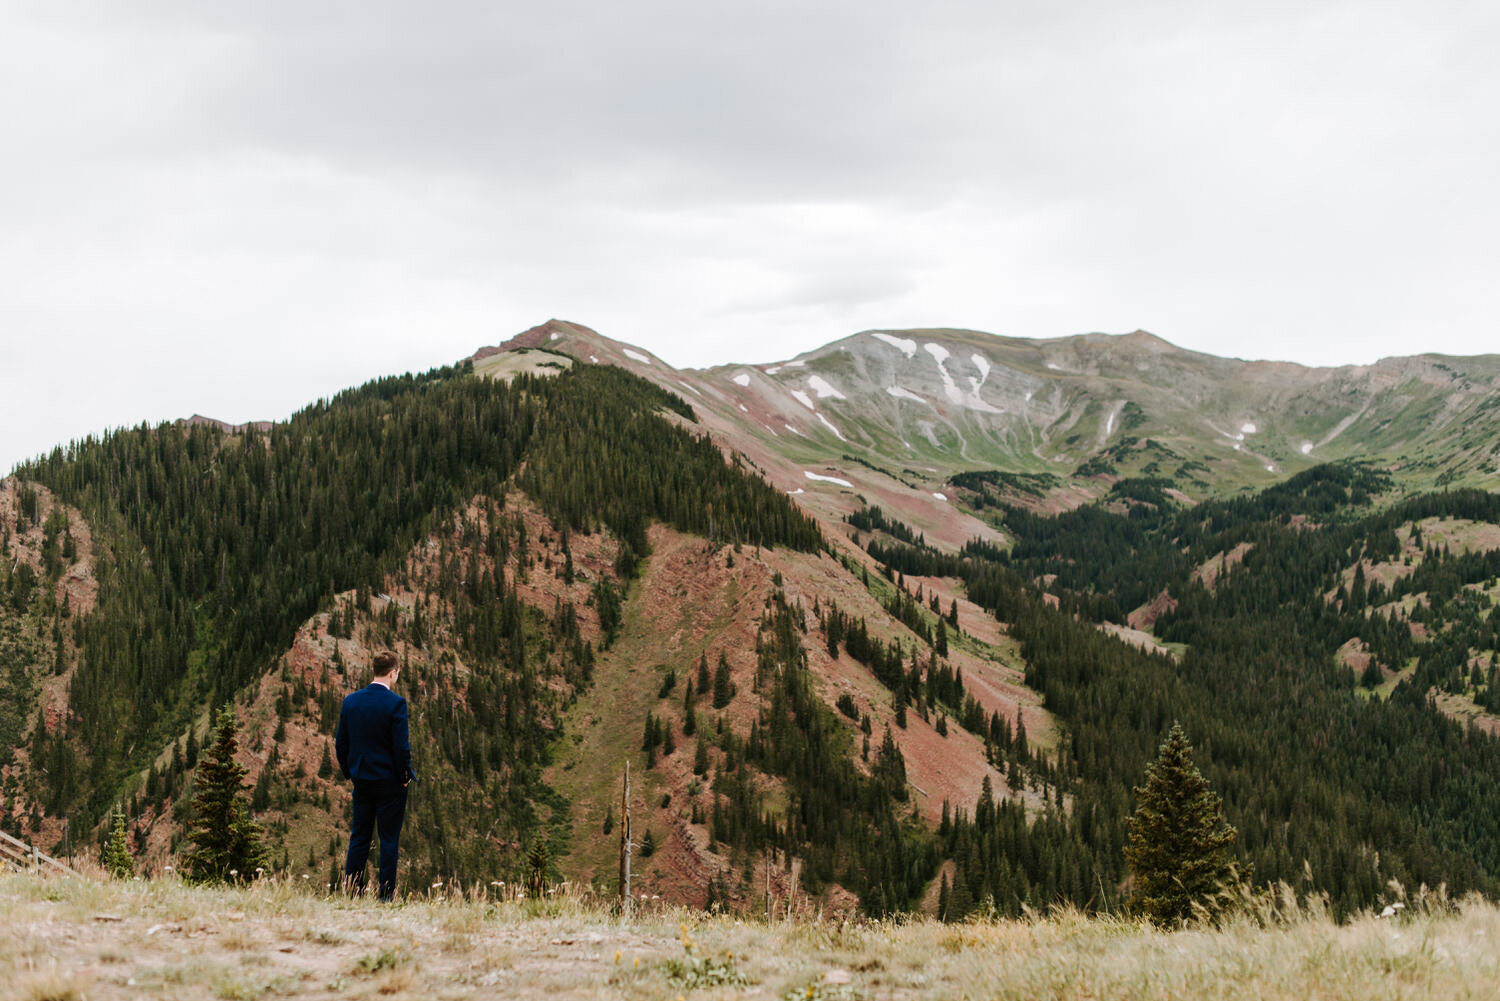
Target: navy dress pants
(382, 806)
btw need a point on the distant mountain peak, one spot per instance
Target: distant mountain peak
(1148, 339)
(198, 419)
(540, 336)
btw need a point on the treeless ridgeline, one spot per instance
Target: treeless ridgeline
(96, 939)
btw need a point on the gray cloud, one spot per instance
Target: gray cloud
(238, 208)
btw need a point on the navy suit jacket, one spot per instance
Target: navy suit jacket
(372, 740)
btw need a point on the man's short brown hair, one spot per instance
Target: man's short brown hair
(384, 663)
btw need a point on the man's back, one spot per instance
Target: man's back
(374, 750)
(372, 741)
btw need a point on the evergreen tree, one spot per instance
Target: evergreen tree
(117, 858)
(689, 714)
(1179, 843)
(226, 843)
(723, 687)
(538, 866)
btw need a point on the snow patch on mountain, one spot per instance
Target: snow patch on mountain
(904, 394)
(803, 399)
(1115, 410)
(1247, 428)
(825, 479)
(1307, 447)
(793, 430)
(820, 386)
(741, 380)
(940, 355)
(685, 386)
(905, 345)
(975, 401)
(637, 356)
(941, 497)
(829, 425)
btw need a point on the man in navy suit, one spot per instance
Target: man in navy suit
(374, 749)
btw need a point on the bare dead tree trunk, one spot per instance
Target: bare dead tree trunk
(768, 885)
(625, 845)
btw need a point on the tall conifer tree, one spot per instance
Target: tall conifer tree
(226, 843)
(723, 687)
(1179, 844)
(117, 858)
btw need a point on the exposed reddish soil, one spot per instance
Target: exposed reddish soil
(77, 583)
(695, 599)
(1354, 655)
(972, 619)
(1144, 618)
(553, 334)
(77, 588)
(1055, 501)
(1483, 722)
(1208, 573)
(930, 899)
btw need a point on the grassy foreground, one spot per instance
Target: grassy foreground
(94, 939)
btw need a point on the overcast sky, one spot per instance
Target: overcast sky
(236, 208)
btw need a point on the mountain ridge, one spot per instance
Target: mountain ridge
(894, 416)
(825, 651)
(543, 333)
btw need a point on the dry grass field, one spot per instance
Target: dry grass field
(95, 939)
